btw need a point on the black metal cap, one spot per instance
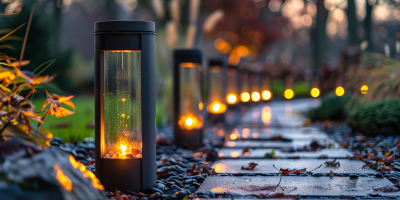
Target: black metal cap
(188, 55)
(124, 26)
(216, 62)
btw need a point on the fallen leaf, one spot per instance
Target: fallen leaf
(386, 189)
(251, 166)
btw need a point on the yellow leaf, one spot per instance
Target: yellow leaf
(45, 103)
(60, 112)
(69, 103)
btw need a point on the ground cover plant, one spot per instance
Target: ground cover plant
(375, 118)
(332, 107)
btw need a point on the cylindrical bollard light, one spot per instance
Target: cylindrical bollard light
(188, 119)
(255, 86)
(216, 107)
(125, 104)
(266, 93)
(244, 86)
(232, 91)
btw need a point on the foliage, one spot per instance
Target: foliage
(299, 88)
(332, 107)
(17, 111)
(377, 117)
(380, 73)
(42, 44)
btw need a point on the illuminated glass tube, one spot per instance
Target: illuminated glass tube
(122, 104)
(216, 96)
(244, 88)
(232, 94)
(191, 104)
(266, 93)
(255, 86)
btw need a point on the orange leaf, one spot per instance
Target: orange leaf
(60, 112)
(69, 103)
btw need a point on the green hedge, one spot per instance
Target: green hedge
(332, 107)
(378, 117)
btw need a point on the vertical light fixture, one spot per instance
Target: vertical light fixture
(216, 107)
(244, 86)
(255, 86)
(289, 92)
(188, 105)
(125, 104)
(232, 91)
(266, 93)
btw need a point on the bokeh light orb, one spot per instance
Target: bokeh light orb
(315, 92)
(339, 91)
(288, 94)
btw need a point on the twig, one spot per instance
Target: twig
(316, 168)
(26, 34)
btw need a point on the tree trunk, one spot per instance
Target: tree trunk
(368, 25)
(319, 34)
(352, 22)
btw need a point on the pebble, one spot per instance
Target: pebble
(155, 196)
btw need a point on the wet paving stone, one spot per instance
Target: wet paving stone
(265, 166)
(275, 144)
(339, 153)
(304, 186)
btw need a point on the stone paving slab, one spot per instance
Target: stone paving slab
(265, 166)
(305, 186)
(286, 133)
(275, 144)
(259, 153)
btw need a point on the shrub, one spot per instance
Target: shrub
(377, 117)
(332, 107)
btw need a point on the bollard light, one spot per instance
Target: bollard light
(339, 91)
(289, 92)
(125, 104)
(266, 93)
(187, 98)
(315, 92)
(217, 89)
(232, 92)
(364, 89)
(255, 86)
(244, 86)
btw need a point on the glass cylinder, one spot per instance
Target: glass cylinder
(245, 89)
(191, 104)
(266, 93)
(122, 104)
(232, 96)
(255, 86)
(216, 102)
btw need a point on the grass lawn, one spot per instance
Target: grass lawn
(77, 130)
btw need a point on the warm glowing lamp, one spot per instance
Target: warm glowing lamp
(125, 104)
(244, 86)
(339, 91)
(216, 97)
(187, 98)
(232, 91)
(255, 86)
(288, 94)
(364, 89)
(315, 92)
(266, 93)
